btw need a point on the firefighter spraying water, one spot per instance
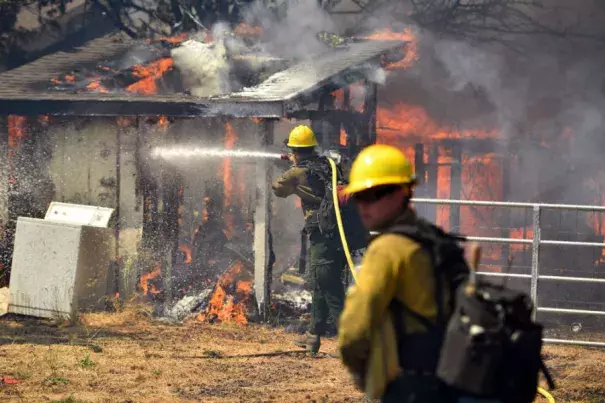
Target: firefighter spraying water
(332, 228)
(351, 236)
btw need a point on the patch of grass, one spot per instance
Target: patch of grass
(21, 375)
(87, 362)
(96, 348)
(213, 354)
(55, 380)
(69, 399)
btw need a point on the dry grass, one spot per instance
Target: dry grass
(126, 357)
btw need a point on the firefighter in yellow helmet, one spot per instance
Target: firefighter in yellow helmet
(395, 285)
(326, 255)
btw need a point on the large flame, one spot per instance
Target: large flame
(405, 125)
(148, 75)
(404, 121)
(228, 301)
(410, 49)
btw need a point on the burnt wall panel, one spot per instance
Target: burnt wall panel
(83, 165)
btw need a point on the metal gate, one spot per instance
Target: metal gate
(536, 241)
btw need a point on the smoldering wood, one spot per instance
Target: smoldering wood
(370, 108)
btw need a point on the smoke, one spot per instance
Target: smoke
(204, 67)
(544, 101)
(290, 27)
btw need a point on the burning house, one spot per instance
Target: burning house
(80, 127)
(207, 232)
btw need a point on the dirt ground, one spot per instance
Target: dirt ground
(128, 357)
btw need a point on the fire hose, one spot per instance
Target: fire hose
(341, 230)
(547, 395)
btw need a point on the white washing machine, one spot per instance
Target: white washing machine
(61, 263)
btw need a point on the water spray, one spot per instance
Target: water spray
(203, 152)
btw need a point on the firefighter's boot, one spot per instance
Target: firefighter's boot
(308, 341)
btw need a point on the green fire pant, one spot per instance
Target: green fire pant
(326, 264)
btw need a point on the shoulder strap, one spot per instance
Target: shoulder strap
(397, 308)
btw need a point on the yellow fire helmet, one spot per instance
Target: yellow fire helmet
(302, 136)
(379, 165)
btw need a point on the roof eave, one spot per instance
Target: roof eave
(32, 106)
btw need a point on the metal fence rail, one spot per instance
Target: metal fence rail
(536, 241)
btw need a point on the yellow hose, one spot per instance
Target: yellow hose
(341, 229)
(547, 395)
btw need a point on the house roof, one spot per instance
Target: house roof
(26, 90)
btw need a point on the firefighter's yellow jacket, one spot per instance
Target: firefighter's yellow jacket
(393, 267)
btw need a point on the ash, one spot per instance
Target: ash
(299, 300)
(188, 306)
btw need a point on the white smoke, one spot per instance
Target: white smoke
(290, 27)
(203, 66)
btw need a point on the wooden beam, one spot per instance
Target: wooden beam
(370, 107)
(262, 224)
(456, 186)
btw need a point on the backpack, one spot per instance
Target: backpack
(422, 351)
(489, 346)
(492, 346)
(355, 232)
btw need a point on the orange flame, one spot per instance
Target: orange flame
(410, 49)
(163, 122)
(343, 137)
(16, 130)
(175, 40)
(205, 213)
(225, 307)
(97, 86)
(413, 122)
(44, 120)
(230, 139)
(145, 278)
(187, 251)
(148, 75)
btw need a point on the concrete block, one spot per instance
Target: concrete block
(59, 268)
